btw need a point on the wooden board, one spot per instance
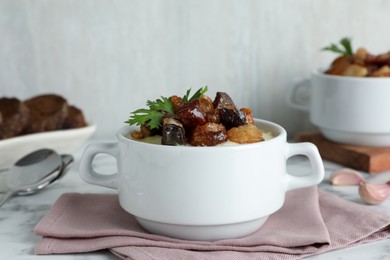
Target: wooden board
(368, 159)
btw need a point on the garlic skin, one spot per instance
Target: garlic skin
(346, 176)
(374, 194)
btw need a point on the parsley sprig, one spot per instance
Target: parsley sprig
(152, 116)
(346, 49)
(197, 94)
(163, 104)
(158, 109)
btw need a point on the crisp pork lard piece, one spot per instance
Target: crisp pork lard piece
(173, 132)
(231, 117)
(209, 134)
(191, 114)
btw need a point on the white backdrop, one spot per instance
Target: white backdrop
(108, 57)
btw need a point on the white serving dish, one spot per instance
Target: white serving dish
(62, 141)
(347, 110)
(202, 193)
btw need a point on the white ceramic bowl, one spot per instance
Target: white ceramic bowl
(202, 193)
(350, 110)
(62, 141)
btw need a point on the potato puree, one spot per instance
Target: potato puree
(157, 139)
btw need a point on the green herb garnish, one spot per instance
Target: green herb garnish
(152, 116)
(146, 116)
(163, 104)
(197, 94)
(158, 109)
(345, 50)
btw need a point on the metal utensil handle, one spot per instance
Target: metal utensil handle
(8, 195)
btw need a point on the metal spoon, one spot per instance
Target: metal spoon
(67, 161)
(32, 173)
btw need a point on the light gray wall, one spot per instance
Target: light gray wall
(108, 57)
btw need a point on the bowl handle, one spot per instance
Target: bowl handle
(298, 95)
(88, 174)
(317, 167)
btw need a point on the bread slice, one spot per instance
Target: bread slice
(14, 116)
(47, 113)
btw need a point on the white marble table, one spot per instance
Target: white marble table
(20, 214)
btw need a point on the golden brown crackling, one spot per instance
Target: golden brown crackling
(14, 117)
(47, 113)
(74, 119)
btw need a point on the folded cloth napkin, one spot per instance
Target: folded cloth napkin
(310, 222)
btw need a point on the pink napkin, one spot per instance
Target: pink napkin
(310, 222)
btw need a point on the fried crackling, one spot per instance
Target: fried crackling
(191, 114)
(245, 134)
(209, 134)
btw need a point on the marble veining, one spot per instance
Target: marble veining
(19, 215)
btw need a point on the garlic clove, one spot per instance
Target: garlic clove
(346, 176)
(372, 193)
